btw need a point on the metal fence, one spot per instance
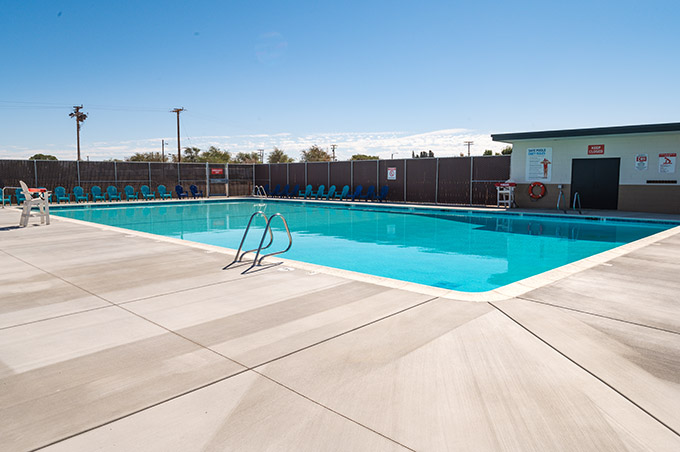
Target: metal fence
(450, 180)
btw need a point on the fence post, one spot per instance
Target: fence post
(253, 177)
(207, 180)
(436, 181)
(115, 174)
(149, 175)
(377, 176)
(351, 175)
(404, 180)
(78, 169)
(35, 172)
(328, 168)
(471, 160)
(179, 179)
(269, 167)
(226, 189)
(270, 182)
(287, 173)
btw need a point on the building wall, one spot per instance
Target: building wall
(635, 192)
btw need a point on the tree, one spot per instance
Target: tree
(430, 154)
(364, 157)
(191, 155)
(147, 157)
(315, 154)
(247, 157)
(42, 157)
(278, 156)
(488, 152)
(215, 155)
(507, 150)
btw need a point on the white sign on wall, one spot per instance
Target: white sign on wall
(667, 162)
(539, 164)
(641, 161)
(391, 173)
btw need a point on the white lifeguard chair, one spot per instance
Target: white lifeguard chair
(40, 201)
(505, 194)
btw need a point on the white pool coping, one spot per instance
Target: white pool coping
(508, 291)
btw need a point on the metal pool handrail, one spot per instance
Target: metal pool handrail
(258, 190)
(238, 258)
(268, 228)
(577, 197)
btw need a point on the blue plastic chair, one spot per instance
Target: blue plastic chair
(382, 196)
(130, 193)
(331, 193)
(180, 192)
(307, 192)
(284, 191)
(146, 192)
(61, 195)
(294, 192)
(19, 194)
(319, 192)
(357, 192)
(80, 195)
(97, 193)
(113, 193)
(344, 194)
(195, 192)
(163, 193)
(276, 190)
(266, 189)
(370, 193)
(5, 198)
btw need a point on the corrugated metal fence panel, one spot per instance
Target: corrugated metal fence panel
(396, 187)
(261, 174)
(240, 179)
(164, 174)
(297, 174)
(279, 175)
(52, 174)
(317, 174)
(12, 171)
(454, 180)
(365, 173)
(101, 174)
(495, 168)
(217, 188)
(420, 180)
(133, 173)
(340, 173)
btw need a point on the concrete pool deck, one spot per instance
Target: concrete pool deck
(113, 340)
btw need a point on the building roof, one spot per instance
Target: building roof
(570, 133)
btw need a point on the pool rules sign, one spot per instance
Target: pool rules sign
(391, 173)
(667, 162)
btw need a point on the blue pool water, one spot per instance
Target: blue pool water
(460, 250)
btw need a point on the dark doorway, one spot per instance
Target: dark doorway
(596, 181)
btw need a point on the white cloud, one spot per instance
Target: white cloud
(446, 142)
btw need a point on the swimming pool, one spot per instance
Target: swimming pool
(453, 249)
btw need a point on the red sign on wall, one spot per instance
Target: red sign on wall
(217, 171)
(595, 149)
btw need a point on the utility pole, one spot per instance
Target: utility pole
(333, 146)
(162, 150)
(469, 143)
(261, 152)
(179, 149)
(79, 117)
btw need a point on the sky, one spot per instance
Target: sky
(375, 77)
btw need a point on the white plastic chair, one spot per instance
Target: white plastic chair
(39, 201)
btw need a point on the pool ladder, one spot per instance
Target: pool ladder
(258, 260)
(258, 191)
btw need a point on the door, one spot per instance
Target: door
(596, 181)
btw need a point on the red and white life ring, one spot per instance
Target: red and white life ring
(534, 195)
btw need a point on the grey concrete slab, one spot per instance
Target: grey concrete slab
(28, 294)
(640, 287)
(463, 376)
(62, 376)
(641, 363)
(245, 413)
(255, 320)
